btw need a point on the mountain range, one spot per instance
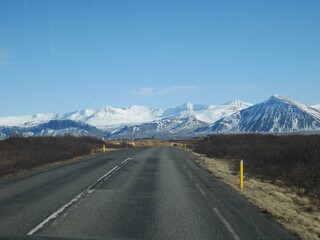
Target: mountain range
(276, 114)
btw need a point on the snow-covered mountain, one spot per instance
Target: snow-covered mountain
(101, 118)
(184, 109)
(277, 114)
(52, 128)
(109, 117)
(171, 127)
(27, 120)
(213, 113)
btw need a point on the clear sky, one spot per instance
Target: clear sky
(62, 55)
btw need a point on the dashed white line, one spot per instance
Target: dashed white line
(108, 173)
(226, 224)
(87, 191)
(200, 189)
(189, 173)
(106, 178)
(126, 161)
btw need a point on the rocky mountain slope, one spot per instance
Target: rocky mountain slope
(277, 114)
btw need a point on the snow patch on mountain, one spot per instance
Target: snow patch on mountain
(81, 115)
(109, 116)
(27, 120)
(184, 109)
(214, 113)
(316, 106)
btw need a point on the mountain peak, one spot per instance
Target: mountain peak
(238, 103)
(280, 98)
(277, 97)
(109, 109)
(188, 106)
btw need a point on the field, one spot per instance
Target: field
(292, 159)
(17, 153)
(136, 143)
(282, 174)
(20, 154)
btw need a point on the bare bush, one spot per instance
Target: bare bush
(294, 159)
(18, 153)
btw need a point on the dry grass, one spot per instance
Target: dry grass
(137, 143)
(296, 213)
(151, 143)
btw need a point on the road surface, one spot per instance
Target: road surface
(139, 193)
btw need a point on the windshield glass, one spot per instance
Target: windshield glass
(129, 119)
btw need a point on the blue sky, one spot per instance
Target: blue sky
(62, 55)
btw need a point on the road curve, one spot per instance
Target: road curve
(142, 193)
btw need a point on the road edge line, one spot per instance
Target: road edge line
(226, 224)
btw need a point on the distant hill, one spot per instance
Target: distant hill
(53, 128)
(171, 127)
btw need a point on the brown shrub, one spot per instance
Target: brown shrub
(19, 153)
(294, 159)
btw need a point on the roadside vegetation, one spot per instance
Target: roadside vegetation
(18, 153)
(297, 213)
(282, 174)
(127, 143)
(291, 159)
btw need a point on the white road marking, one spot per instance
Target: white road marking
(126, 161)
(72, 201)
(61, 210)
(108, 173)
(200, 190)
(226, 224)
(106, 178)
(189, 173)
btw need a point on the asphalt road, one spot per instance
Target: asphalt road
(142, 193)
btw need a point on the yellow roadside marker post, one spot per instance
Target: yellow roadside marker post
(185, 147)
(241, 174)
(104, 149)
